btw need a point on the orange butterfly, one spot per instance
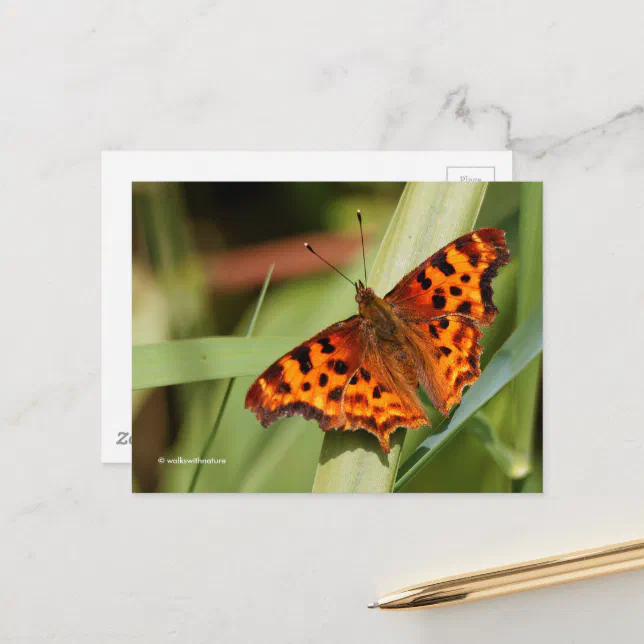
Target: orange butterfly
(363, 372)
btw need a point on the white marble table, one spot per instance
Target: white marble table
(560, 84)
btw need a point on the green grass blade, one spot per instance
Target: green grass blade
(428, 216)
(523, 346)
(220, 413)
(533, 483)
(184, 361)
(530, 292)
(149, 320)
(514, 464)
(260, 301)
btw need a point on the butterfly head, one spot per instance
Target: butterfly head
(363, 294)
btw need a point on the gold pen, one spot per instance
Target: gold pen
(518, 577)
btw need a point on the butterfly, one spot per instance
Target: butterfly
(364, 372)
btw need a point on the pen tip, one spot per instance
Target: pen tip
(374, 605)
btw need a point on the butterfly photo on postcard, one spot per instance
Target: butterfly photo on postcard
(364, 372)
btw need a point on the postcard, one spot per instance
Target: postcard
(301, 333)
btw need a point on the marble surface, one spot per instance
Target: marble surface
(559, 84)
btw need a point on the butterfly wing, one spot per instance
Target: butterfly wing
(442, 303)
(381, 396)
(340, 378)
(310, 380)
(448, 353)
(456, 279)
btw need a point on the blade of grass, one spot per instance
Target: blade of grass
(463, 467)
(149, 319)
(514, 464)
(530, 293)
(213, 433)
(533, 483)
(184, 361)
(428, 216)
(519, 350)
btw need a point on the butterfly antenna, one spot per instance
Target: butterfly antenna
(364, 261)
(327, 263)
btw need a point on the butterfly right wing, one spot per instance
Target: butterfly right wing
(442, 303)
(456, 279)
(310, 380)
(448, 351)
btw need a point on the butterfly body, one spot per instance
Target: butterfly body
(383, 329)
(364, 372)
(378, 313)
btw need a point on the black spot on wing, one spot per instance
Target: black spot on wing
(432, 331)
(306, 386)
(323, 380)
(454, 290)
(335, 394)
(303, 356)
(274, 371)
(365, 374)
(465, 278)
(464, 307)
(327, 347)
(445, 351)
(284, 388)
(462, 241)
(376, 392)
(340, 367)
(444, 323)
(438, 301)
(440, 262)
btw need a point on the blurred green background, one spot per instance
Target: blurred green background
(201, 252)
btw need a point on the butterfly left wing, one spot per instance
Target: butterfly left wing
(340, 378)
(310, 380)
